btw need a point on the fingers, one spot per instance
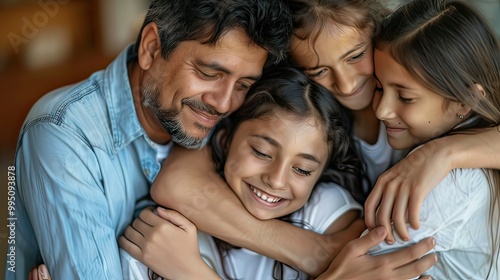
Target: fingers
(33, 275)
(134, 236)
(418, 267)
(414, 206)
(407, 255)
(43, 272)
(149, 217)
(177, 219)
(371, 205)
(384, 213)
(39, 273)
(375, 198)
(129, 246)
(140, 226)
(399, 214)
(360, 246)
(149, 224)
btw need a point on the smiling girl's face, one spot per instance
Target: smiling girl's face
(274, 162)
(412, 113)
(340, 58)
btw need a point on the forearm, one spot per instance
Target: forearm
(198, 270)
(215, 209)
(188, 184)
(478, 150)
(201, 271)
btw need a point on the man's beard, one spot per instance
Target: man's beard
(171, 120)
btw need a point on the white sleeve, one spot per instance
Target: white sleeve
(327, 203)
(132, 269)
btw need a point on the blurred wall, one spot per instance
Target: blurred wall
(490, 8)
(45, 44)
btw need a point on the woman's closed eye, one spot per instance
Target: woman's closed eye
(260, 154)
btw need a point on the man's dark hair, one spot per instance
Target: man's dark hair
(268, 23)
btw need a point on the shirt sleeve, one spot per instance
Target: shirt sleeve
(327, 203)
(62, 191)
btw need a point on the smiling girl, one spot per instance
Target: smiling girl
(438, 70)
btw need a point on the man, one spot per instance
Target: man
(87, 153)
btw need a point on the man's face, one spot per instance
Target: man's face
(188, 93)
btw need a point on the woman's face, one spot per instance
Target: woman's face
(411, 112)
(341, 60)
(274, 163)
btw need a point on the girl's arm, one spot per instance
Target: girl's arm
(403, 188)
(188, 184)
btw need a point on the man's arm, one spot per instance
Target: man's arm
(188, 184)
(66, 206)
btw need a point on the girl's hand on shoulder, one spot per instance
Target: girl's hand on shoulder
(399, 192)
(167, 243)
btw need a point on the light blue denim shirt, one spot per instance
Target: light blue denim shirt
(83, 162)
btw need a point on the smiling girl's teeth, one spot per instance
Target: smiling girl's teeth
(265, 197)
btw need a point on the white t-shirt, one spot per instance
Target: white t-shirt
(327, 203)
(456, 213)
(377, 157)
(162, 151)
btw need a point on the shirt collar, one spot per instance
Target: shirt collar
(116, 84)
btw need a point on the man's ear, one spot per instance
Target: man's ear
(150, 46)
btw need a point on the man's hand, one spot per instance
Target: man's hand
(353, 262)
